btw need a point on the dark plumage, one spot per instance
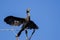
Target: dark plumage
(17, 21)
(10, 20)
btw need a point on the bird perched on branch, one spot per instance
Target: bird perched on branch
(17, 21)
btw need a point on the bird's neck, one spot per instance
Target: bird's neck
(28, 14)
(28, 17)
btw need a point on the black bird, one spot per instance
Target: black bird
(17, 21)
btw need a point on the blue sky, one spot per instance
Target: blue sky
(45, 13)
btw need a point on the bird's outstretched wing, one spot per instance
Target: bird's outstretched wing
(15, 21)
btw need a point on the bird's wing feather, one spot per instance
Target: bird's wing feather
(10, 20)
